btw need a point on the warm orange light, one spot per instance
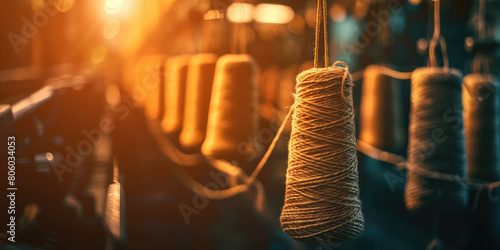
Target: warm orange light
(64, 5)
(297, 25)
(213, 14)
(273, 13)
(111, 29)
(37, 4)
(360, 10)
(113, 6)
(337, 12)
(415, 2)
(112, 95)
(240, 12)
(98, 54)
(49, 156)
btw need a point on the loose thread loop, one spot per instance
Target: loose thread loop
(346, 71)
(321, 19)
(437, 37)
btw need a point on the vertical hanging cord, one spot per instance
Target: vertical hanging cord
(321, 18)
(116, 173)
(435, 36)
(205, 37)
(234, 38)
(239, 37)
(481, 23)
(481, 59)
(243, 38)
(325, 32)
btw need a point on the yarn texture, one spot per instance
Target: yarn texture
(436, 143)
(233, 113)
(481, 99)
(322, 195)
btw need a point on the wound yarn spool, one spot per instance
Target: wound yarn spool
(175, 91)
(322, 193)
(381, 123)
(481, 100)
(436, 143)
(233, 113)
(198, 92)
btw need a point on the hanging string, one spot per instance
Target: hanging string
(356, 76)
(243, 38)
(481, 27)
(172, 154)
(239, 37)
(481, 61)
(234, 36)
(437, 37)
(400, 163)
(321, 20)
(207, 33)
(404, 75)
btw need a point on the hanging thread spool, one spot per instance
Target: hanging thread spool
(175, 90)
(322, 194)
(381, 113)
(436, 142)
(198, 92)
(481, 100)
(233, 113)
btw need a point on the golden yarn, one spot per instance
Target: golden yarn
(198, 92)
(233, 113)
(322, 195)
(175, 90)
(436, 143)
(381, 123)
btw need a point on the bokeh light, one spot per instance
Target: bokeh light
(98, 54)
(337, 12)
(64, 5)
(240, 12)
(273, 13)
(113, 6)
(415, 2)
(111, 29)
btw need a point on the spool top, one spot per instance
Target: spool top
(435, 72)
(475, 80)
